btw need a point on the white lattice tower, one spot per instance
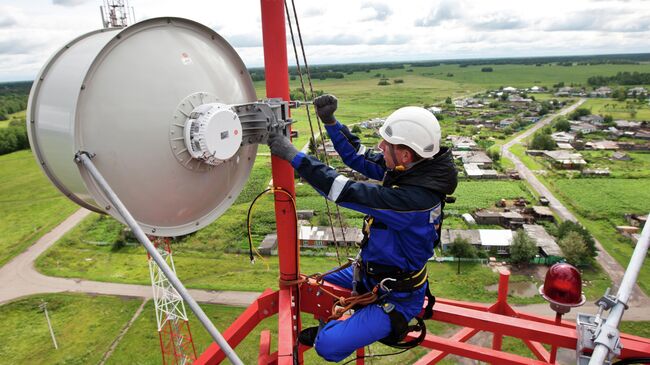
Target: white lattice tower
(115, 13)
(173, 327)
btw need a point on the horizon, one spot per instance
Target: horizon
(442, 61)
(355, 32)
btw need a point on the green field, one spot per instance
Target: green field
(84, 326)
(29, 205)
(619, 109)
(600, 204)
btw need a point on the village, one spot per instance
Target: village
(474, 128)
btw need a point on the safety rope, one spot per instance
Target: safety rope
(341, 304)
(311, 127)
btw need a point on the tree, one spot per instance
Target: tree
(567, 227)
(562, 125)
(356, 129)
(574, 248)
(542, 141)
(461, 248)
(448, 100)
(523, 248)
(487, 69)
(580, 112)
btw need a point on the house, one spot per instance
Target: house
(601, 145)
(627, 125)
(595, 172)
(518, 99)
(583, 128)
(474, 171)
(564, 91)
(536, 89)
(321, 236)
(592, 119)
(480, 158)
(563, 137)
(565, 159)
(542, 213)
(485, 239)
(509, 89)
(636, 220)
(545, 242)
(435, 110)
(636, 91)
(506, 122)
(372, 123)
(601, 92)
(564, 146)
(269, 245)
(500, 240)
(508, 219)
(462, 143)
(642, 135)
(621, 156)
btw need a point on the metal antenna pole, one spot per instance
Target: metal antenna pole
(85, 161)
(608, 337)
(43, 306)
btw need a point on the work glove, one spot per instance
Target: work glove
(281, 146)
(325, 107)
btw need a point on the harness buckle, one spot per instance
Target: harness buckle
(383, 287)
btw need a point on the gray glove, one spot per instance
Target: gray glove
(325, 107)
(281, 146)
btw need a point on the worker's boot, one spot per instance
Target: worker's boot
(308, 336)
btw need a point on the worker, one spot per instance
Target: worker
(403, 218)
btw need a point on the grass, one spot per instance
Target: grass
(141, 344)
(519, 150)
(600, 205)
(619, 109)
(84, 326)
(29, 205)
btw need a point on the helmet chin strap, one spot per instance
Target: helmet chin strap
(397, 167)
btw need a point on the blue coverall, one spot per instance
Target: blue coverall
(405, 211)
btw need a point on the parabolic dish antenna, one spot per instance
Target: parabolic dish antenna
(131, 98)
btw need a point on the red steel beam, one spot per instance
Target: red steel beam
(265, 306)
(477, 352)
(436, 355)
(265, 348)
(277, 86)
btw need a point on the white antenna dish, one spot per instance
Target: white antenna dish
(132, 97)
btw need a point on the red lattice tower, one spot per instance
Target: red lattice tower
(174, 332)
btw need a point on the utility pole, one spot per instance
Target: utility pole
(43, 307)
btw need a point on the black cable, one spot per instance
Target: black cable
(634, 360)
(378, 355)
(248, 224)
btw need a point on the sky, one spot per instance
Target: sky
(349, 31)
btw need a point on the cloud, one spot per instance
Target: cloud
(335, 39)
(376, 11)
(244, 40)
(18, 46)
(498, 22)
(389, 40)
(312, 12)
(604, 19)
(445, 11)
(69, 2)
(6, 20)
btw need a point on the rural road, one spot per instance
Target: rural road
(609, 264)
(19, 278)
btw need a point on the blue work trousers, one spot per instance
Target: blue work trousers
(338, 339)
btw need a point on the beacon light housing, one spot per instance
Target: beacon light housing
(563, 287)
(132, 99)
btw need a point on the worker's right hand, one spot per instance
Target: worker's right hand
(325, 107)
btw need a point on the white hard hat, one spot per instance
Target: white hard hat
(415, 127)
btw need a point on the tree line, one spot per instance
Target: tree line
(621, 78)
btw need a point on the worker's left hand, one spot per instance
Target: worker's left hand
(281, 146)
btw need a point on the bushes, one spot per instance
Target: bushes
(13, 138)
